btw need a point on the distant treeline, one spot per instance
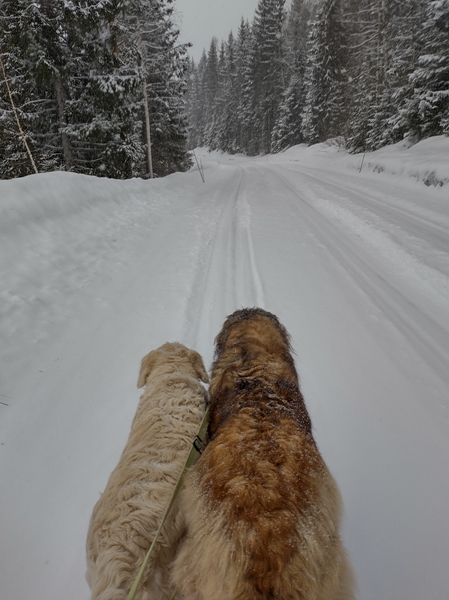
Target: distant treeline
(370, 72)
(78, 72)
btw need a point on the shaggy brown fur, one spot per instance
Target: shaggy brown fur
(128, 514)
(262, 509)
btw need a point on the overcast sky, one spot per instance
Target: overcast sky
(201, 20)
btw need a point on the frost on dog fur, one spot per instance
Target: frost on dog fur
(129, 512)
(262, 510)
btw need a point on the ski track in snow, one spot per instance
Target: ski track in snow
(96, 273)
(396, 288)
(425, 228)
(226, 277)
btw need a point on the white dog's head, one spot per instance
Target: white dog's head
(172, 357)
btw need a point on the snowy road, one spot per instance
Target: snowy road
(95, 273)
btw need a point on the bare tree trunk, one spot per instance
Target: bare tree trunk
(147, 128)
(145, 103)
(22, 134)
(66, 145)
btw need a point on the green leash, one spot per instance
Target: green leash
(195, 449)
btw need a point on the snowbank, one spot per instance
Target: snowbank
(427, 161)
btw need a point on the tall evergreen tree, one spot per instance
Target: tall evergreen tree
(428, 108)
(196, 102)
(37, 42)
(103, 106)
(228, 98)
(369, 64)
(211, 88)
(243, 87)
(216, 129)
(165, 68)
(287, 130)
(385, 48)
(266, 72)
(324, 112)
(131, 46)
(402, 48)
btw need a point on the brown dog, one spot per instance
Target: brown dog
(128, 514)
(261, 507)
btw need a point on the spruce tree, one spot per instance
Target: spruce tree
(266, 72)
(287, 130)
(131, 46)
(14, 160)
(428, 108)
(228, 98)
(166, 66)
(324, 112)
(211, 88)
(37, 41)
(245, 42)
(196, 102)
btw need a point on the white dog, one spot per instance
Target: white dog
(128, 514)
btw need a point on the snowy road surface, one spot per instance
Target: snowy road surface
(95, 273)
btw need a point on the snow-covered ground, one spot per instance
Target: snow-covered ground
(95, 273)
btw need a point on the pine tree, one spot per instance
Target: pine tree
(196, 102)
(245, 136)
(211, 87)
(166, 65)
(131, 46)
(324, 112)
(287, 130)
(386, 38)
(390, 55)
(13, 155)
(218, 108)
(406, 46)
(37, 40)
(428, 108)
(228, 95)
(103, 107)
(267, 71)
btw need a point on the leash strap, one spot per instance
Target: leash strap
(195, 449)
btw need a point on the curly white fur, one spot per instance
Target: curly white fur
(127, 516)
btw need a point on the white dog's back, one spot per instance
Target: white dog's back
(128, 514)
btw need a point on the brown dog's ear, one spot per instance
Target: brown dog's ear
(198, 365)
(146, 366)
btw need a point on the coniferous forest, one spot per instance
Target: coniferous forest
(86, 79)
(78, 72)
(368, 72)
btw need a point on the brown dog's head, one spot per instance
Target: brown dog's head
(252, 344)
(245, 314)
(252, 328)
(171, 355)
(253, 363)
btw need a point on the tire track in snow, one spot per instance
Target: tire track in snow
(400, 304)
(227, 277)
(420, 223)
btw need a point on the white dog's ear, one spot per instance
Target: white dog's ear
(146, 366)
(198, 365)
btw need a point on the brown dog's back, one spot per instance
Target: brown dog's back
(262, 509)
